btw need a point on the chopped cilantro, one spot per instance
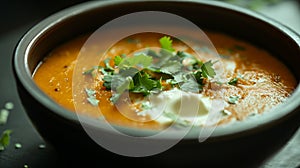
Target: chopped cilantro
(114, 98)
(118, 60)
(144, 84)
(146, 105)
(198, 77)
(107, 64)
(5, 139)
(233, 81)
(107, 81)
(190, 84)
(208, 70)
(166, 43)
(125, 85)
(171, 67)
(91, 71)
(144, 72)
(92, 97)
(140, 61)
(183, 54)
(233, 99)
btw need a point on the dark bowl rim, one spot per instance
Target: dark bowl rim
(22, 73)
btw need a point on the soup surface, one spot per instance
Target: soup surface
(150, 80)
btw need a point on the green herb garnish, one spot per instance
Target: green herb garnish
(139, 61)
(166, 44)
(5, 139)
(146, 105)
(118, 59)
(92, 97)
(233, 99)
(207, 69)
(144, 72)
(233, 81)
(144, 84)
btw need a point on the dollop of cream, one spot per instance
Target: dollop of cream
(190, 107)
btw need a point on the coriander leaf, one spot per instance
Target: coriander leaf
(90, 71)
(113, 81)
(188, 59)
(139, 61)
(106, 71)
(190, 85)
(143, 84)
(152, 53)
(146, 105)
(164, 57)
(148, 52)
(233, 81)
(107, 81)
(90, 92)
(208, 70)
(5, 139)
(171, 67)
(198, 77)
(93, 101)
(126, 85)
(118, 60)
(233, 99)
(120, 84)
(183, 54)
(107, 64)
(92, 97)
(114, 98)
(166, 43)
(128, 72)
(180, 77)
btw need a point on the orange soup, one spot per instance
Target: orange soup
(135, 78)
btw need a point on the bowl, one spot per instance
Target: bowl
(255, 139)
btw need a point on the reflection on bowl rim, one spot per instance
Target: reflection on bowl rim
(31, 37)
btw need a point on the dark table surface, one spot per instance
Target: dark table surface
(16, 18)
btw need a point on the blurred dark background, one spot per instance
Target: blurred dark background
(16, 13)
